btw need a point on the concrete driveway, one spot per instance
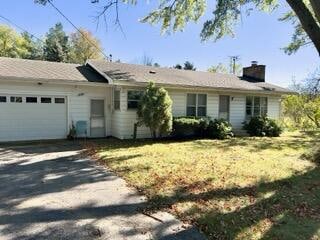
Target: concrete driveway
(52, 191)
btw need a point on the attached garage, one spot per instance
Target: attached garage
(32, 117)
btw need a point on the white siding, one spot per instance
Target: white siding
(274, 107)
(120, 123)
(123, 120)
(78, 98)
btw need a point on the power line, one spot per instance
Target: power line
(21, 28)
(83, 35)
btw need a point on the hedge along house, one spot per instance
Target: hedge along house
(41, 100)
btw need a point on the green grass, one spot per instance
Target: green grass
(241, 188)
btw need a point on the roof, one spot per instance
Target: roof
(133, 73)
(54, 71)
(100, 71)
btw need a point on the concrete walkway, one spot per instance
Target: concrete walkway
(53, 192)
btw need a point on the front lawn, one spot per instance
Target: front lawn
(241, 188)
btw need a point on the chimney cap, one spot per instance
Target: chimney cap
(254, 63)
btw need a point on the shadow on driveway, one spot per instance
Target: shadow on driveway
(54, 191)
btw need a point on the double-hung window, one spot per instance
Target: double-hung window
(256, 106)
(134, 98)
(196, 105)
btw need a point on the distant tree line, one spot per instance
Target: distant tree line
(56, 46)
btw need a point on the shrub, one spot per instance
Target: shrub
(263, 126)
(185, 127)
(219, 129)
(155, 110)
(313, 155)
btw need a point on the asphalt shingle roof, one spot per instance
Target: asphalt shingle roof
(127, 73)
(143, 74)
(34, 69)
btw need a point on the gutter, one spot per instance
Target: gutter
(188, 87)
(52, 81)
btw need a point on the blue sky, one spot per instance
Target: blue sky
(258, 37)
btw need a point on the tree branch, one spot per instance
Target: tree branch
(316, 8)
(307, 21)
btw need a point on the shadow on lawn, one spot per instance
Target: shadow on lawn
(293, 209)
(259, 144)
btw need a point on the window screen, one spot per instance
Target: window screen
(31, 100)
(97, 108)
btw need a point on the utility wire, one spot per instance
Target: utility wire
(21, 28)
(83, 35)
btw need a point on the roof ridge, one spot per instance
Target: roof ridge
(165, 68)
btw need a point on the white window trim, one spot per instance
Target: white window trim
(132, 90)
(252, 108)
(196, 106)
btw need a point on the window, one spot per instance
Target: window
(45, 100)
(31, 100)
(116, 100)
(3, 99)
(59, 100)
(134, 98)
(191, 104)
(196, 105)
(224, 107)
(16, 99)
(256, 106)
(264, 106)
(202, 105)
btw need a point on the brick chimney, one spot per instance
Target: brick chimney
(255, 73)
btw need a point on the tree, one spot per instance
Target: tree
(175, 14)
(177, 66)
(188, 66)
(84, 46)
(304, 112)
(155, 110)
(11, 43)
(307, 103)
(146, 60)
(156, 64)
(56, 47)
(34, 48)
(220, 68)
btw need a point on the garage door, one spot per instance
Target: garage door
(30, 117)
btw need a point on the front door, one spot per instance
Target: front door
(97, 119)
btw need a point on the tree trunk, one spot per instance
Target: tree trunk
(316, 8)
(308, 22)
